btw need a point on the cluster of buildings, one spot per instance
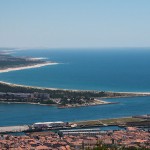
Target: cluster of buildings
(132, 137)
(35, 95)
(41, 125)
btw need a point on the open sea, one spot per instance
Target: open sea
(87, 69)
(124, 69)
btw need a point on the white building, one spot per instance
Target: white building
(48, 124)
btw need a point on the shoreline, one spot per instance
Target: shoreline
(94, 103)
(89, 105)
(4, 102)
(26, 86)
(105, 122)
(76, 90)
(47, 63)
(119, 121)
(28, 67)
(58, 106)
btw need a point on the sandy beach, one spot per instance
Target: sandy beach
(43, 88)
(27, 67)
(20, 85)
(94, 103)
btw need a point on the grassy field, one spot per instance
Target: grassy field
(116, 121)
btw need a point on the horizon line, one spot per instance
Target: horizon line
(41, 47)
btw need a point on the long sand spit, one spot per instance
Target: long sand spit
(27, 67)
(45, 88)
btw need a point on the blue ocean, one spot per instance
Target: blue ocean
(124, 69)
(120, 69)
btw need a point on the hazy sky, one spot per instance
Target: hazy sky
(74, 23)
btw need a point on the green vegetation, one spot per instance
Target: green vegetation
(48, 102)
(102, 146)
(59, 93)
(8, 61)
(111, 147)
(116, 121)
(53, 93)
(64, 97)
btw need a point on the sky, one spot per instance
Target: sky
(74, 23)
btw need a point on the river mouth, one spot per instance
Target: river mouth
(20, 114)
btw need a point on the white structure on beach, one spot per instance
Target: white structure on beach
(48, 124)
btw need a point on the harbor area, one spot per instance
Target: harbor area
(134, 121)
(131, 132)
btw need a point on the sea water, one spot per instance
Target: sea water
(20, 114)
(87, 69)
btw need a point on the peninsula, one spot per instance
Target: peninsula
(11, 63)
(13, 93)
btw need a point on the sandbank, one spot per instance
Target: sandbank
(75, 90)
(27, 67)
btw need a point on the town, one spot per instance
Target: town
(122, 133)
(131, 138)
(62, 98)
(45, 98)
(12, 93)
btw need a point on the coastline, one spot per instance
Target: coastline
(27, 67)
(32, 103)
(94, 103)
(47, 63)
(99, 102)
(76, 90)
(26, 86)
